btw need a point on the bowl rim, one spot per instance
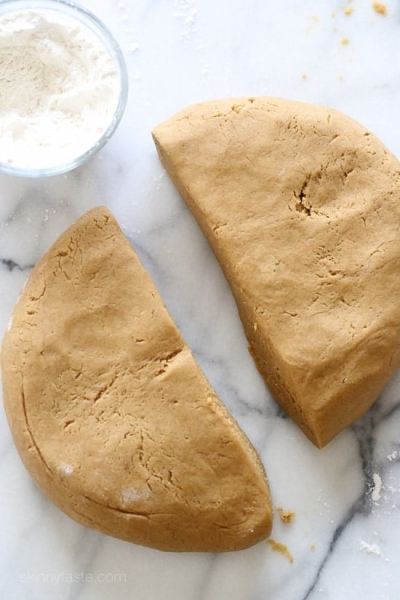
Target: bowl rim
(105, 36)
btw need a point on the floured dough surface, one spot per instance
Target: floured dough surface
(301, 205)
(110, 412)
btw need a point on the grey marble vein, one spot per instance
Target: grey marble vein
(11, 265)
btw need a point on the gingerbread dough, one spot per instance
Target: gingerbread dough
(110, 412)
(301, 205)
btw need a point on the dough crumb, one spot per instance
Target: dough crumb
(286, 516)
(304, 76)
(344, 41)
(380, 8)
(348, 10)
(281, 548)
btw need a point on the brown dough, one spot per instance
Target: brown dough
(110, 412)
(301, 205)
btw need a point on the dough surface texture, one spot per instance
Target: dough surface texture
(301, 206)
(110, 412)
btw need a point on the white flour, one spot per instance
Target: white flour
(370, 548)
(376, 490)
(59, 88)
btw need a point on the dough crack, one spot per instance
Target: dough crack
(166, 361)
(139, 513)
(29, 431)
(105, 388)
(301, 197)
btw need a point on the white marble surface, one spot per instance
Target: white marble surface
(344, 538)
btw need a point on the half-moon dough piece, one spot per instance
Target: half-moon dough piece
(301, 206)
(110, 412)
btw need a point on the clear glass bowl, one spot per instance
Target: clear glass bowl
(87, 19)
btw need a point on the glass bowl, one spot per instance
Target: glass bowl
(73, 15)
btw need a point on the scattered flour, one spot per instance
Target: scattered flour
(186, 11)
(371, 548)
(376, 490)
(134, 47)
(65, 469)
(130, 495)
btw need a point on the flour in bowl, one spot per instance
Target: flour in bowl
(59, 88)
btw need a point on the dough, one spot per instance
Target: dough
(110, 412)
(301, 205)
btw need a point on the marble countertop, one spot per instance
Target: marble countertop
(343, 541)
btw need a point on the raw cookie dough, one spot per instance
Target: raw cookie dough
(110, 412)
(301, 206)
